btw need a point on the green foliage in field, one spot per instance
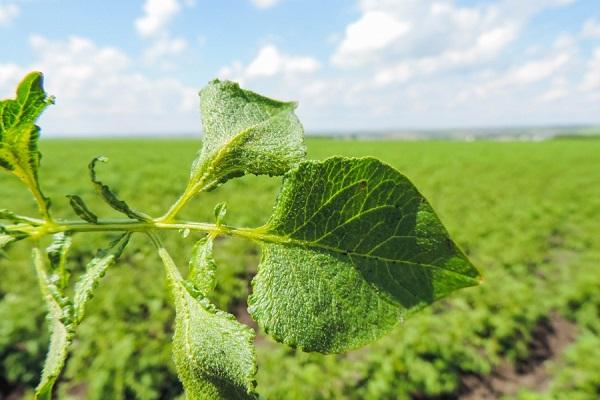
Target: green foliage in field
(525, 212)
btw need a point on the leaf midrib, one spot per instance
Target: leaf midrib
(285, 240)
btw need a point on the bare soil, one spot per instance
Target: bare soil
(550, 337)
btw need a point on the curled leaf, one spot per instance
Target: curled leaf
(81, 209)
(110, 197)
(244, 132)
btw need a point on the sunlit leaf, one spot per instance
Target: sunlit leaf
(352, 247)
(245, 132)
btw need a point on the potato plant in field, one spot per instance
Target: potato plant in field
(350, 249)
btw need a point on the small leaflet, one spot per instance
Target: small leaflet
(202, 267)
(110, 197)
(81, 209)
(220, 212)
(95, 270)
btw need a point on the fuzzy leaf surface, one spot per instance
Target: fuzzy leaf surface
(351, 248)
(57, 254)
(60, 335)
(245, 132)
(202, 268)
(213, 352)
(95, 270)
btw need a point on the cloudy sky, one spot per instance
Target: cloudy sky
(134, 67)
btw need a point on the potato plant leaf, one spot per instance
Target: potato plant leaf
(31, 100)
(5, 240)
(202, 267)
(59, 315)
(95, 270)
(81, 209)
(213, 353)
(13, 217)
(110, 197)
(244, 132)
(351, 248)
(220, 211)
(19, 135)
(57, 254)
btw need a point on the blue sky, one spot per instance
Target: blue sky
(134, 67)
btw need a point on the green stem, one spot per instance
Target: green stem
(197, 183)
(41, 201)
(128, 225)
(178, 205)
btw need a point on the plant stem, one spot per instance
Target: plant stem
(110, 225)
(40, 200)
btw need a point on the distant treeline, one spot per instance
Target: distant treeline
(575, 136)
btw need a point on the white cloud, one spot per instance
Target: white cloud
(98, 89)
(157, 15)
(591, 81)
(8, 12)
(529, 73)
(374, 31)
(591, 29)
(410, 38)
(270, 62)
(265, 3)
(486, 46)
(559, 90)
(154, 24)
(164, 47)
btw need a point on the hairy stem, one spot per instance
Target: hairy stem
(128, 225)
(192, 189)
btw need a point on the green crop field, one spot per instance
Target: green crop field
(527, 214)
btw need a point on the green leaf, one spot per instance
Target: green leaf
(213, 353)
(220, 211)
(110, 197)
(60, 330)
(31, 100)
(351, 248)
(11, 216)
(95, 270)
(19, 136)
(244, 132)
(5, 240)
(202, 268)
(57, 254)
(81, 209)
